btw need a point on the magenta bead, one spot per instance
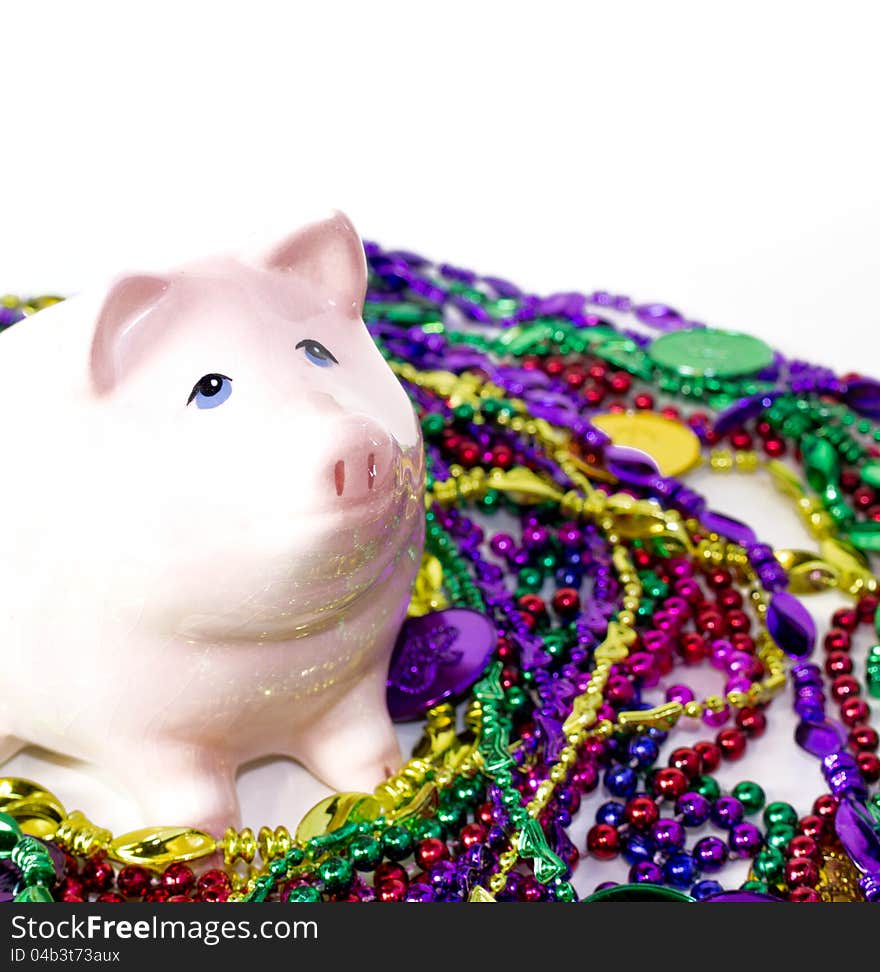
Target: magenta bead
(502, 544)
(739, 683)
(679, 693)
(680, 567)
(716, 719)
(722, 651)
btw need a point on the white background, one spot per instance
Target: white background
(722, 158)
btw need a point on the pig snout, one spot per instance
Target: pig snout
(362, 467)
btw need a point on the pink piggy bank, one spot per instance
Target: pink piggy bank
(213, 517)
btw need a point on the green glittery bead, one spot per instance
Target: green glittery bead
(433, 424)
(750, 795)
(397, 843)
(769, 865)
(452, 816)
(278, 868)
(563, 891)
(463, 412)
(303, 894)
(10, 834)
(336, 873)
(34, 894)
(707, 787)
(427, 827)
(467, 791)
(365, 853)
(515, 699)
(531, 579)
(779, 836)
(780, 813)
(491, 501)
(294, 856)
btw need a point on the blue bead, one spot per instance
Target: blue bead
(637, 848)
(658, 735)
(621, 780)
(703, 889)
(694, 809)
(567, 577)
(573, 558)
(610, 813)
(680, 870)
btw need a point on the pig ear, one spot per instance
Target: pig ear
(118, 340)
(328, 254)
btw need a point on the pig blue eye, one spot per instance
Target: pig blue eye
(211, 391)
(317, 353)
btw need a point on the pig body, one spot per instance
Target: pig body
(212, 519)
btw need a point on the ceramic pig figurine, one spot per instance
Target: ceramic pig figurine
(211, 517)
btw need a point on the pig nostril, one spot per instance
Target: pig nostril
(371, 470)
(339, 476)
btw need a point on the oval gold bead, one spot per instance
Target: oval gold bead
(37, 811)
(333, 811)
(157, 848)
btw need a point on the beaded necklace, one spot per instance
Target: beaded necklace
(610, 575)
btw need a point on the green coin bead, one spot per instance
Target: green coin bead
(750, 795)
(707, 787)
(780, 813)
(397, 843)
(769, 865)
(303, 895)
(779, 836)
(336, 873)
(365, 853)
(10, 834)
(710, 353)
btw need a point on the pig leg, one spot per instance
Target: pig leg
(177, 786)
(352, 745)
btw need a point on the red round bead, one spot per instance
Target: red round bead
(687, 760)
(670, 412)
(643, 400)
(574, 376)
(774, 447)
(212, 896)
(849, 480)
(603, 842)
(566, 600)
(801, 872)
(752, 722)
(389, 872)
(554, 365)
(845, 618)
(485, 814)
(620, 382)
(729, 599)
(157, 894)
(111, 896)
(133, 881)
(391, 890)
(869, 764)
(838, 663)
(812, 826)
(509, 676)
(863, 497)
(214, 880)
(867, 607)
(593, 395)
(854, 711)
(804, 895)
(692, 648)
(738, 621)
(825, 806)
(468, 452)
(430, 851)
(740, 440)
(641, 812)
(732, 743)
(863, 739)
(844, 687)
(472, 833)
(97, 874)
(71, 889)
(529, 890)
(711, 623)
(502, 456)
(837, 640)
(710, 755)
(180, 899)
(178, 878)
(532, 603)
(669, 783)
(598, 371)
(802, 846)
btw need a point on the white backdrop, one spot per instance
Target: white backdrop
(720, 158)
